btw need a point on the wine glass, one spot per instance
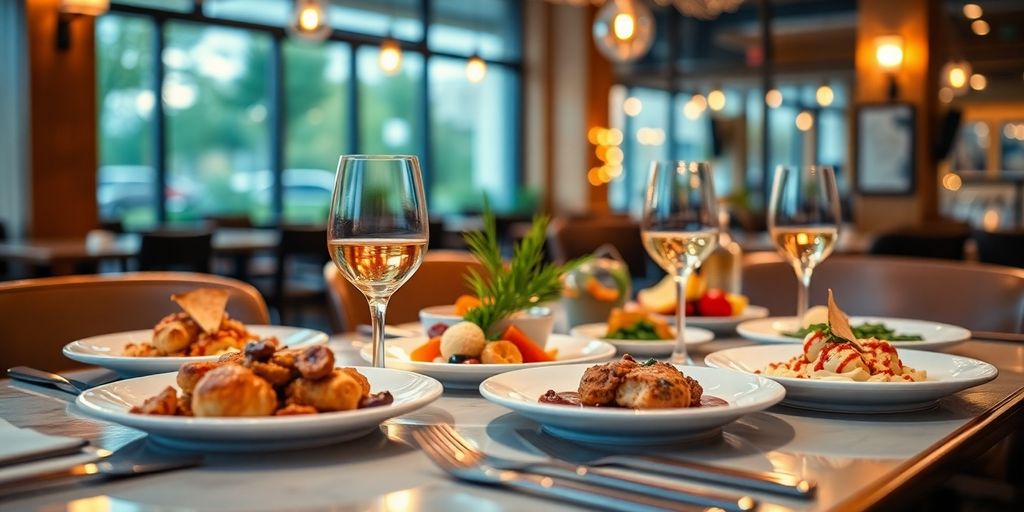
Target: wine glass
(803, 220)
(680, 228)
(377, 230)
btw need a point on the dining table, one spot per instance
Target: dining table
(859, 461)
(62, 255)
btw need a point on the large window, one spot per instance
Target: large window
(209, 109)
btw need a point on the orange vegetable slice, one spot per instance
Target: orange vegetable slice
(465, 303)
(428, 351)
(531, 351)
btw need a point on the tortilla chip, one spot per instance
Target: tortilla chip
(838, 322)
(206, 306)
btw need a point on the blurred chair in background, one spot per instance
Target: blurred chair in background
(40, 316)
(438, 281)
(976, 296)
(176, 250)
(297, 282)
(230, 221)
(574, 238)
(943, 240)
(1000, 247)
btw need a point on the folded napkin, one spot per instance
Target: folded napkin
(24, 444)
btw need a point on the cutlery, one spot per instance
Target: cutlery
(475, 470)
(107, 467)
(34, 376)
(464, 450)
(774, 482)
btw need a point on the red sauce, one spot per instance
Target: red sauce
(812, 339)
(849, 359)
(573, 398)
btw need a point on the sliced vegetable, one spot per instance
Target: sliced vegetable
(465, 303)
(427, 351)
(531, 351)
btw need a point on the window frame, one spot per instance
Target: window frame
(277, 106)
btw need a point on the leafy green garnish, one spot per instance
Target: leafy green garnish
(862, 331)
(641, 330)
(649, 362)
(525, 281)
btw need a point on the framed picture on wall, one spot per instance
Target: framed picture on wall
(885, 149)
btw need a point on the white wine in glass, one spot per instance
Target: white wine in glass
(680, 228)
(803, 220)
(377, 232)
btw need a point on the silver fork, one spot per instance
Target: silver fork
(448, 441)
(473, 470)
(775, 482)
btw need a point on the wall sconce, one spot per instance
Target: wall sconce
(68, 10)
(889, 55)
(956, 76)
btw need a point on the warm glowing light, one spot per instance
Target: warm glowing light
(804, 121)
(632, 106)
(593, 176)
(86, 7)
(945, 95)
(594, 135)
(773, 98)
(990, 221)
(889, 52)
(700, 101)
(601, 152)
(390, 57)
(1008, 131)
(309, 18)
(824, 95)
(1018, 131)
(476, 69)
(716, 100)
(952, 182)
(978, 82)
(614, 137)
(980, 27)
(691, 110)
(614, 171)
(624, 26)
(957, 77)
(614, 155)
(650, 136)
(972, 11)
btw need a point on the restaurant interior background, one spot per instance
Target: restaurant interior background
(144, 115)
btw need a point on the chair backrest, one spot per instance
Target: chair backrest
(942, 240)
(977, 296)
(574, 238)
(299, 244)
(39, 316)
(176, 250)
(1001, 248)
(438, 281)
(230, 221)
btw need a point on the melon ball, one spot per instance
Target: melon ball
(464, 339)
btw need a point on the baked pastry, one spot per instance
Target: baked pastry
(601, 382)
(233, 390)
(657, 386)
(190, 373)
(174, 333)
(341, 391)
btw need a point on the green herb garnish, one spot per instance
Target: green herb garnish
(650, 362)
(641, 330)
(525, 281)
(862, 331)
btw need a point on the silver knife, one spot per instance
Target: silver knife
(34, 376)
(769, 481)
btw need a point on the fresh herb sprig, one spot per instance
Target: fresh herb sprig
(862, 331)
(525, 281)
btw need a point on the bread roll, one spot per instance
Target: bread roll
(233, 390)
(340, 391)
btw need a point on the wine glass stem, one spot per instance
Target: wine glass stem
(801, 298)
(679, 355)
(378, 308)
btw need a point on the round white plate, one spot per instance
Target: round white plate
(469, 376)
(947, 374)
(520, 390)
(112, 402)
(721, 323)
(936, 335)
(105, 350)
(645, 348)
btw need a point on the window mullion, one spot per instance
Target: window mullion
(278, 133)
(159, 123)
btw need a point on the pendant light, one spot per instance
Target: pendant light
(476, 69)
(623, 30)
(309, 21)
(390, 57)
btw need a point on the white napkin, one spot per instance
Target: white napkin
(24, 444)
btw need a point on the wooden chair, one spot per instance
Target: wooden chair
(1001, 247)
(297, 280)
(40, 316)
(438, 281)
(176, 250)
(942, 240)
(977, 296)
(574, 238)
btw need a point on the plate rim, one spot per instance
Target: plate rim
(744, 330)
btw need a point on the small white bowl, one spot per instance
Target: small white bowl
(537, 322)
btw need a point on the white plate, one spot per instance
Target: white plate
(936, 335)
(721, 323)
(645, 348)
(112, 401)
(469, 376)
(520, 390)
(105, 350)
(947, 374)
